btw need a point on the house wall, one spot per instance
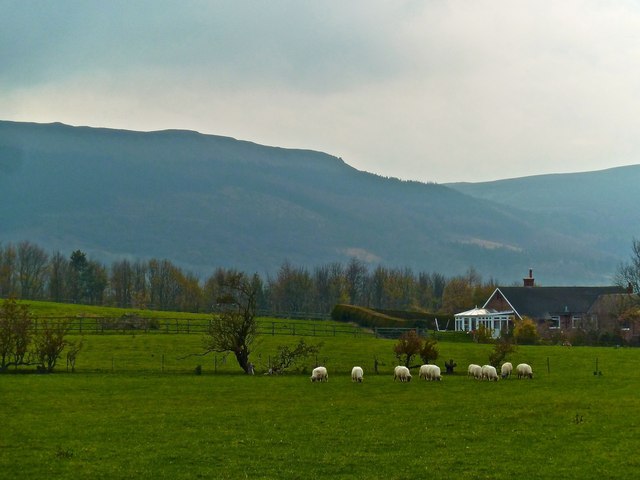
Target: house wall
(498, 303)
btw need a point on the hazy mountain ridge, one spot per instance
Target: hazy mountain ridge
(205, 201)
(597, 207)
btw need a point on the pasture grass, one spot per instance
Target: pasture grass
(127, 414)
(54, 309)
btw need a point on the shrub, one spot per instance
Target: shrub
(429, 350)
(501, 349)
(372, 318)
(15, 336)
(49, 343)
(525, 332)
(483, 334)
(409, 345)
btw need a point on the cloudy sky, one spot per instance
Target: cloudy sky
(429, 90)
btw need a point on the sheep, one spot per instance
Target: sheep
(319, 374)
(401, 373)
(506, 369)
(474, 371)
(424, 371)
(433, 373)
(489, 372)
(357, 374)
(524, 370)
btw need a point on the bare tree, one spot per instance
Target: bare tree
(58, 275)
(32, 268)
(8, 271)
(286, 357)
(234, 327)
(628, 274)
(355, 281)
(121, 282)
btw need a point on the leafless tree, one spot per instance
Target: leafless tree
(32, 269)
(628, 274)
(8, 271)
(233, 328)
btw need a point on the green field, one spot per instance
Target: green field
(136, 409)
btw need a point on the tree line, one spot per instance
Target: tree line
(29, 272)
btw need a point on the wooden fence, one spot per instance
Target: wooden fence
(128, 325)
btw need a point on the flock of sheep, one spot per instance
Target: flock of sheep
(432, 373)
(488, 372)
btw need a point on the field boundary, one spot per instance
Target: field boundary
(84, 325)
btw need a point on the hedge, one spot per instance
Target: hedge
(371, 318)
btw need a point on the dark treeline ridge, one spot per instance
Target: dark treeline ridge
(28, 272)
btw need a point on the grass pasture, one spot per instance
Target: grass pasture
(135, 409)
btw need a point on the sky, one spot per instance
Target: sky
(434, 91)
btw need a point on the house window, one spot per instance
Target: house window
(555, 322)
(576, 321)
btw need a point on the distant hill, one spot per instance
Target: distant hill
(599, 209)
(204, 201)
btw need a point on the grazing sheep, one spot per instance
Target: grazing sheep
(524, 370)
(475, 371)
(401, 373)
(357, 374)
(319, 374)
(489, 372)
(423, 371)
(506, 369)
(433, 373)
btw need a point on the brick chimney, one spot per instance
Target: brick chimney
(528, 281)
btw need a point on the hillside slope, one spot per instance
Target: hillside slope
(598, 208)
(204, 201)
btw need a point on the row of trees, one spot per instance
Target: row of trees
(29, 272)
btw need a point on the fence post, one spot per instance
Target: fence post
(334, 330)
(548, 366)
(81, 325)
(273, 328)
(188, 325)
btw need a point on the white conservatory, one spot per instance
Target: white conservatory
(491, 319)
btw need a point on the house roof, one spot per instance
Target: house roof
(479, 312)
(541, 302)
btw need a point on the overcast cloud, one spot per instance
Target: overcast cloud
(425, 90)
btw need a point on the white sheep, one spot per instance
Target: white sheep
(489, 372)
(357, 374)
(433, 373)
(401, 372)
(524, 370)
(319, 374)
(506, 369)
(474, 371)
(423, 371)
